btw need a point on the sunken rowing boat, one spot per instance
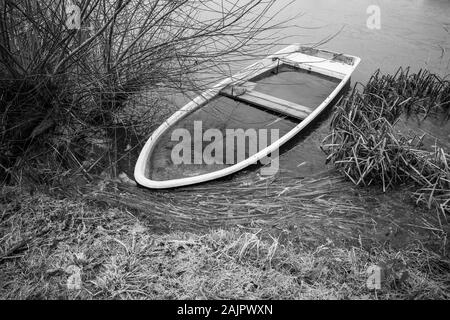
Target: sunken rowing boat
(244, 119)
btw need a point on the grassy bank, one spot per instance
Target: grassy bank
(80, 249)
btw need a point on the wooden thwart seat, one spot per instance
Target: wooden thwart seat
(246, 94)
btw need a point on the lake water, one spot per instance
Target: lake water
(412, 33)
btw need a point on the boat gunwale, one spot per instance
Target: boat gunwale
(245, 75)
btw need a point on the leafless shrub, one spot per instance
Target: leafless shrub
(60, 87)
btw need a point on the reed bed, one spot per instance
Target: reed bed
(365, 145)
(422, 92)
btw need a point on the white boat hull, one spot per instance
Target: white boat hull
(339, 66)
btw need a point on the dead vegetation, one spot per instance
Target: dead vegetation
(68, 69)
(365, 146)
(68, 249)
(289, 239)
(233, 201)
(64, 94)
(321, 207)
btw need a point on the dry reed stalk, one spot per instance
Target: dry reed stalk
(365, 147)
(316, 201)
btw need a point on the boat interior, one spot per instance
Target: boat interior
(278, 98)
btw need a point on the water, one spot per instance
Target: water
(298, 86)
(412, 33)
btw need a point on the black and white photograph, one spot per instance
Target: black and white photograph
(224, 155)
